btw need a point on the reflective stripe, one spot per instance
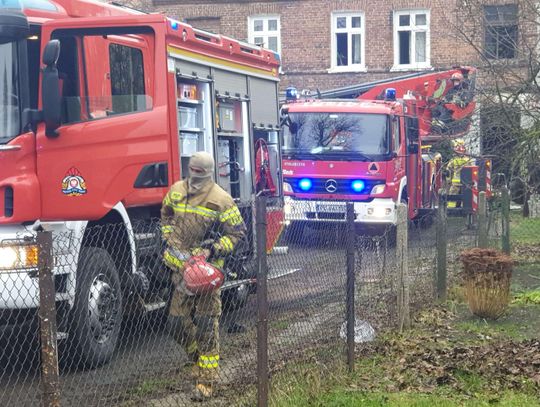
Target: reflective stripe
(208, 362)
(172, 260)
(231, 216)
(199, 210)
(166, 229)
(177, 196)
(226, 244)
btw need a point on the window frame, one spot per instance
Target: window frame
(265, 33)
(361, 67)
(113, 47)
(490, 28)
(413, 28)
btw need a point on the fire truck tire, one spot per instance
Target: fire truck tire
(97, 310)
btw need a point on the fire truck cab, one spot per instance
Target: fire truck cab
(100, 109)
(371, 148)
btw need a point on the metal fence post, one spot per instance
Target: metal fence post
(47, 322)
(505, 198)
(442, 240)
(262, 303)
(482, 221)
(404, 319)
(351, 238)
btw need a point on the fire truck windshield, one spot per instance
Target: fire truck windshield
(10, 118)
(347, 136)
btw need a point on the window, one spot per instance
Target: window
(265, 31)
(127, 79)
(347, 41)
(396, 135)
(411, 39)
(501, 33)
(10, 117)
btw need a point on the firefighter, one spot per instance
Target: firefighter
(190, 209)
(457, 95)
(458, 161)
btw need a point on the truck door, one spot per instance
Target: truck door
(264, 117)
(114, 122)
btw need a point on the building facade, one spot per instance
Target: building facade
(327, 44)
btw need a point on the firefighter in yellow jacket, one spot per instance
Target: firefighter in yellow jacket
(454, 167)
(190, 210)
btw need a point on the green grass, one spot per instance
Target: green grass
(525, 230)
(527, 297)
(306, 388)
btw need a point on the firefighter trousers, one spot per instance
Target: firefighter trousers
(195, 326)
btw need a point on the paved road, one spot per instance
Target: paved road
(306, 295)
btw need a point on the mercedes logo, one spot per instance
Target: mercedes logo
(331, 185)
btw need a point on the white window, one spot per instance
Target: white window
(348, 42)
(265, 31)
(411, 39)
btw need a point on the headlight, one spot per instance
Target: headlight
(379, 211)
(287, 187)
(378, 189)
(18, 257)
(287, 209)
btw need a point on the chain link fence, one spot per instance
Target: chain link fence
(104, 336)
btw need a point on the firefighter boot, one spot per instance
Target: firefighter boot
(203, 391)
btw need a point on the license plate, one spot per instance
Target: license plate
(331, 208)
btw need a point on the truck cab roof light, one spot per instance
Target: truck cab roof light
(390, 94)
(291, 93)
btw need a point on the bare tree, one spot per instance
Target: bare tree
(502, 40)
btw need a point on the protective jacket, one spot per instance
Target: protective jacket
(455, 165)
(187, 219)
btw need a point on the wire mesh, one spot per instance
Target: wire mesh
(119, 346)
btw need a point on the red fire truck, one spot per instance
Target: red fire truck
(100, 109)
(371, 149)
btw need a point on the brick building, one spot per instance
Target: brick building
(332, 43)
(327, 44)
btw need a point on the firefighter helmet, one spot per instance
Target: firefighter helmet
(457, 76)
(459, 146)
(202, 277)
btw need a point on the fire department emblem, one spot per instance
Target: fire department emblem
(73, 183)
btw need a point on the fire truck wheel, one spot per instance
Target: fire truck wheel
(235, 298)
(97, 311)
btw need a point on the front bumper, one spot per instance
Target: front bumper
(19, 286)
(379, 211)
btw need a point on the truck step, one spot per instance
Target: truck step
(62, 296)
(154, 306)
(61, 335)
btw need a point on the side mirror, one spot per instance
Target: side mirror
(13, 25)
(50, 89)
(412, 129)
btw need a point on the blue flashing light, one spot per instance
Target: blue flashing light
(390, 94)
(174, 25)
(305, 184)
(291, 93)
(358, 185)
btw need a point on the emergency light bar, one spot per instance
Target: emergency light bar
(291, 93)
